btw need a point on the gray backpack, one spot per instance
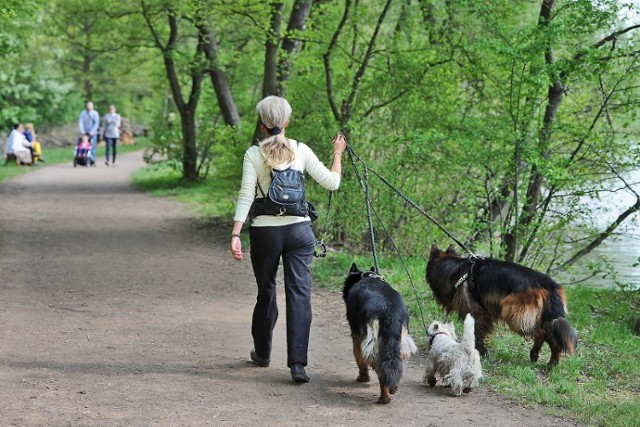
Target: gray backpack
(285, 196)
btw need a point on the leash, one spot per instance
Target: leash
(411, 203)
(320, 243)
(364, 186)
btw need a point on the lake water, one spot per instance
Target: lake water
(623, 250)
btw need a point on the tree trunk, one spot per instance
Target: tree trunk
(272, 45)
(270, 77)
(189, 160)
(218, 77)
(290, 44)
(187, 109)
(532, 196)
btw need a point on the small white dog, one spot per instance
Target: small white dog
(458, 364)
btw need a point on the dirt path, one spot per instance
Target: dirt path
(121, 309)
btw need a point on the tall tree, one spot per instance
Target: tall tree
(169, 49)
(279, 50)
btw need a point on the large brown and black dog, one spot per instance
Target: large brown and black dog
(529, 302)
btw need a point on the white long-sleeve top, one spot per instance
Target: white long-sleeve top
(18, 142)
(255, 171)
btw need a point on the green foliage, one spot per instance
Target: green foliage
(453, 103)
(211, 198)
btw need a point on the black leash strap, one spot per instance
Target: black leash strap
(364, 186)
(320, 243)
(413, 204)
(406, 269)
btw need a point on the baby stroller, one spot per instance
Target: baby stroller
(82, 153)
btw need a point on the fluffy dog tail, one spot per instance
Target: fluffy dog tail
(560, 334)
(468, 334)
(386, 344)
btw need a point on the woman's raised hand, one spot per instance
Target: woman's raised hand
(339, 143)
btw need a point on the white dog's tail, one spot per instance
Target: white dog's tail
(468, 335)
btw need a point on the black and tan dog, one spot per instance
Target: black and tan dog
(379, 323)
(529, 302)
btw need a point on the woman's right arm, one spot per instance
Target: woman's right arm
(329, 179)
(339, 145)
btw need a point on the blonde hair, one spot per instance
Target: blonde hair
(274, 112)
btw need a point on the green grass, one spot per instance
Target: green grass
(600, 385)
(56, 155)
(210, 198)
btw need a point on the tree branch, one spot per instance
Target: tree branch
(348, 104)
(154, 32)
(326, 59)
(602, 236)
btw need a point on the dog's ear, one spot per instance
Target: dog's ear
(373, 269)
(435, 250)
(354, 268)
(452, 250)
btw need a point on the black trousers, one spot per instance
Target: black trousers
(111, 143)
(295, 243)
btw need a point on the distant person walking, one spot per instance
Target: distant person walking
(88, 125)
(111, 132)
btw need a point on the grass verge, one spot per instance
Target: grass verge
(57, 155)
(600, 385)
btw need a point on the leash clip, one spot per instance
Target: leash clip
(323, 249)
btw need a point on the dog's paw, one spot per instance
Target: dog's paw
(533, 355)
(363, 378)
(431, 381)
(384, 400)
(484, 351)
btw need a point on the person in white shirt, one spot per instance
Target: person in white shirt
(20, 146)
(280, 236)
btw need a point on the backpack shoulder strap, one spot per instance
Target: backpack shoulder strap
(259, 188)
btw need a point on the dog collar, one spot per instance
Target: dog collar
(461, 280)
(432, 337)
(373, 275)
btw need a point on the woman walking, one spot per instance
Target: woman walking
(111, 132)
(281, 236)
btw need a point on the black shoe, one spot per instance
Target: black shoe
(106, 163)
(260, 361)
(298, 373)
